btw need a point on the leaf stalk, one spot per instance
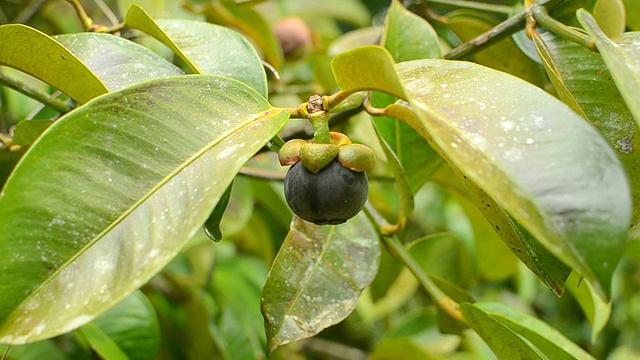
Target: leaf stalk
(542, 17)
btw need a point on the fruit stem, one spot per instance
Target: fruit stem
(87, 22)
(320, 122)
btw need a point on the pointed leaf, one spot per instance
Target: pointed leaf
(102, 216)
(249, 22)
(622, 59)
(37, 54)
(205, 48)
(548, 340)
(408, 36)
(116, 61)
(317, 277)
(132, 326)
(539, 160)
(504, 343)
(584, 74)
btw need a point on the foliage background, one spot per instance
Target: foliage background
(206, 303)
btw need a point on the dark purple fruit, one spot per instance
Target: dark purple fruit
(332, 196)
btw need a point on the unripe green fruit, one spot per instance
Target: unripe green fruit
(331, 196)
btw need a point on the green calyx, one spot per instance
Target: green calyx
(315, 156)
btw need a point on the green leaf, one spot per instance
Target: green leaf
(27, 131)
(205, 48)
(131, 325)
(405, 194)
(523, 151)
(116, 61)
(317, 277)
(101, 216)
(37, 351)
(37, 54)
(610, 16)
(504, 343)
(212, 225)
(408, 36)
(549, 341)
(535, 157)
(595, 309)
(249, 22)
(443, 255)
(101, 343)
(585, 76)
(632, 11)
(237, 284)
(622, 59)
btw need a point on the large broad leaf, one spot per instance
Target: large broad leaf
(130, 327)
(622, 59)
(586, 78)
(205, 48)
(549, 341)
(317, 277)
(35, 53)
(110, 193)
(408, 36)
(535, 157)
(116, 61)
(504, 342)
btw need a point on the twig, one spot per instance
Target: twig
(542, 17)
(472, 5)
(41, 96)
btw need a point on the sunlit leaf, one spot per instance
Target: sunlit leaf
(205, 48)
(504, 342)
(116, 61)
(518, 144)
(408, 36)
(622, 59)
(548, 340)
(317, 277)
(73, 245)
(37, 54)
(584, 74)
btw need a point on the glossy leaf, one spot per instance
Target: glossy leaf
(37, 54)
(504, 343)
(408, 36)
(523, 154)
(622, 59)
(585, 76)
(132, 326)
(73, 245)
(317, 277)
(205, 48)
(116, 61)
(549, 341)
(489, 138)
(249, 22)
